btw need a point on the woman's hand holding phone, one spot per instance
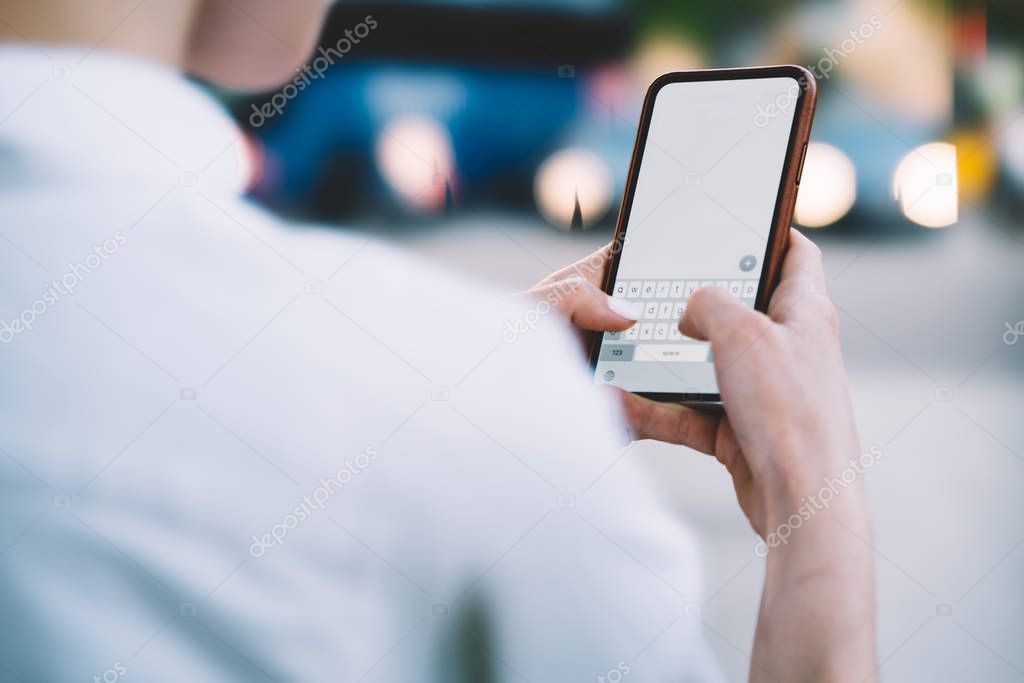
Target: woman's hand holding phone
(786, 431)
(575, 292)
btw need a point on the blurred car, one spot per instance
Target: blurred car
(463, 99)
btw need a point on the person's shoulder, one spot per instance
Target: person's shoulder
(449, 325)
(491, 369)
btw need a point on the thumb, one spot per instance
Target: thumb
(587, 306)
(714, 315)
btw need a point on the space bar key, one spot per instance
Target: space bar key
(668, 353)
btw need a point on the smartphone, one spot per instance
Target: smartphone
(708, 203)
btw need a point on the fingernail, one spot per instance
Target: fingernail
(630, 310)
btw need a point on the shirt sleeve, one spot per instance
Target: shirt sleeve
(598, 578)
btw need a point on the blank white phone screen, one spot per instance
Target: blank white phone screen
(701, 214)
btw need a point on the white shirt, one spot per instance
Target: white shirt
(238, 450)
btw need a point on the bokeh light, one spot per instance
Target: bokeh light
(572, 177)
(416, 159)
(828, 186)
(925, 185)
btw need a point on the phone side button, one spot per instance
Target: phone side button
(800, 168)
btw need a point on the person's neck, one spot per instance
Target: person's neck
(157, 29)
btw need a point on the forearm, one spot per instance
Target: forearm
(817, 617)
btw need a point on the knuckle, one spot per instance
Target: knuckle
(748, 332)
(699, 298)
(823, 312)
(829, 316)
(569, 288)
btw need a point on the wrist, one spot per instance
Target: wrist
(810, 480)
(824, 512)
(798, 503)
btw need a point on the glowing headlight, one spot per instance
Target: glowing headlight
(828, 186)
(416, 159)
(925, 185)
(569, 178)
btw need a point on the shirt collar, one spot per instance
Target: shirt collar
(109, 117)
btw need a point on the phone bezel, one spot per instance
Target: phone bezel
(784, 199)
